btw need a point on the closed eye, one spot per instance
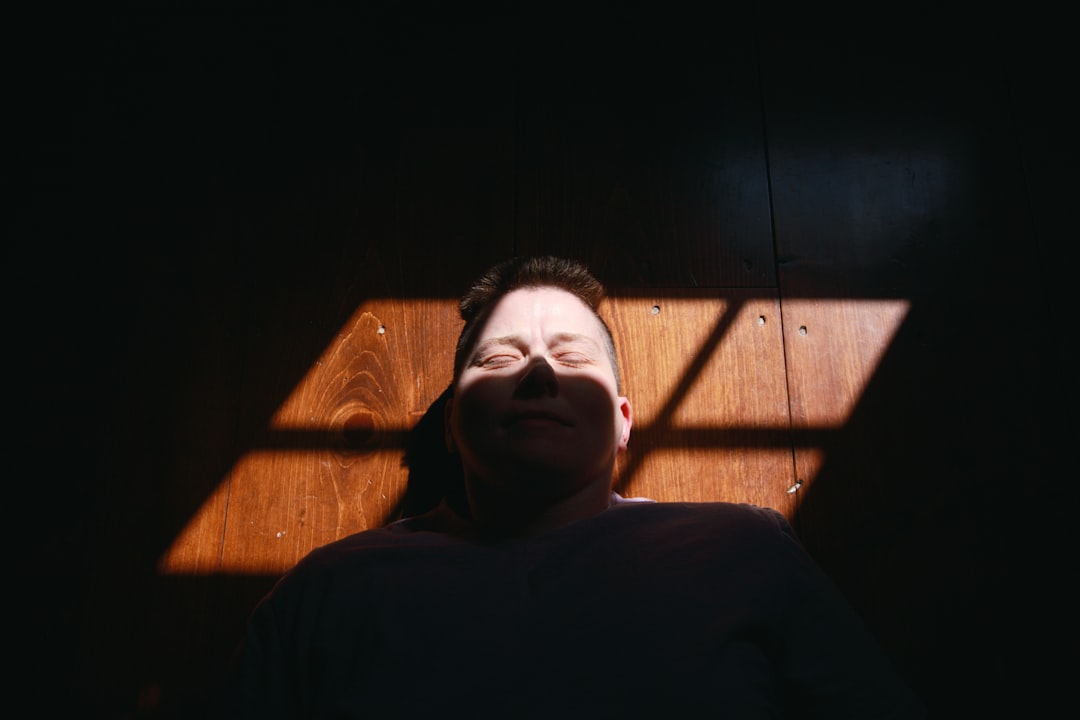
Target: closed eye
(497, 361)
(574, 359)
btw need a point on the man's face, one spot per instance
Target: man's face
(537, 401)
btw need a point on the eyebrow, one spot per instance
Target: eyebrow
(564, 338)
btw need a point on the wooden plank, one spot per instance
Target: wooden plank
(431, 204)
(833, 348)
(167, 427)
(269, 176)
(896, 179)
(704, 371)
(652, 172)
(331, 463)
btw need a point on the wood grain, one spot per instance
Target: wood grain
(332, 461)
(704, 372)
(840, 233)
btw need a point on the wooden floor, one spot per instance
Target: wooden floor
(823, 259)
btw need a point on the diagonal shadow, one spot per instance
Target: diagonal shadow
(663, 420)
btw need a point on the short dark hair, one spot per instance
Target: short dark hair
(529, 272)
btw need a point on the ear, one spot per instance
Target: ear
(448, 433)
(627, 414)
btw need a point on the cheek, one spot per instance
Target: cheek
(476, 402)
(595, 402)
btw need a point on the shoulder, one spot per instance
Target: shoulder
(715, 515)
(365, 550)
(722, 532)
(375, 542)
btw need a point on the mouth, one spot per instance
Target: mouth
(536, 417)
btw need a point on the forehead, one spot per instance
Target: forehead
(546, 308)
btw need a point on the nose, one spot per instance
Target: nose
(539, 379)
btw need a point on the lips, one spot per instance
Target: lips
(538, 416)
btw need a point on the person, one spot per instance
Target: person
(540, 592)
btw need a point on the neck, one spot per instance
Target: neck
(512, 510)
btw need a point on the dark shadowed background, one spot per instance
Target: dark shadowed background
(208, 208)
